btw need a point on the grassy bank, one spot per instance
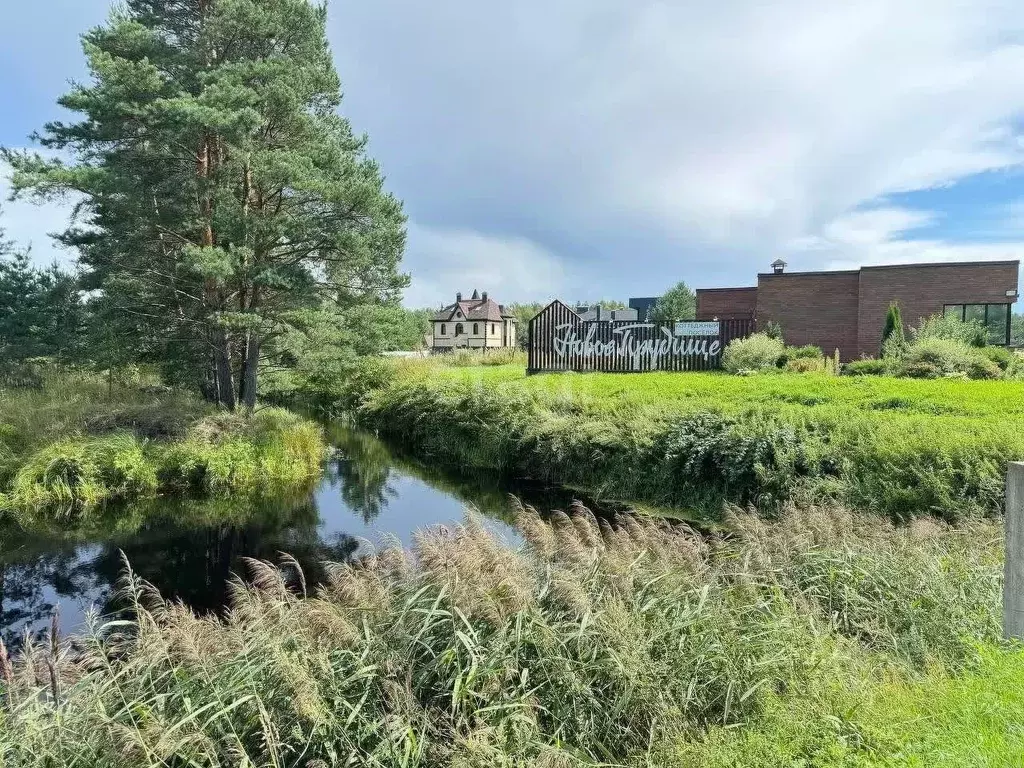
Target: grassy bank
(75, 443)
(898, 447)
(824, 639)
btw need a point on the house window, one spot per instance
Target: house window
(995, 318)
(476, 329)
(458, 329)
(492, 327)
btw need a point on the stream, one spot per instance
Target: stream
(368, 497)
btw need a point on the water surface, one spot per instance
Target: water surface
(368, 497)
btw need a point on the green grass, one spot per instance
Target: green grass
(826, 639)
(898, 447)
(74, 445)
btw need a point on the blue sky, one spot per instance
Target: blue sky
(608, 148)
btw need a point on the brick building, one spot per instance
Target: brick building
(845, 310)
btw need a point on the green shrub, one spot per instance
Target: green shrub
(806, 352)
(934, 356)
(868, 367)
(972, 333)
(758, 352)
(1001, 356)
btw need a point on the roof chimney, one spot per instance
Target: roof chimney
(458, 297)
(484, 295)
(778, 266)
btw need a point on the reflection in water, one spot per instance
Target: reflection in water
(190, 549)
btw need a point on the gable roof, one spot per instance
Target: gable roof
(473, 309)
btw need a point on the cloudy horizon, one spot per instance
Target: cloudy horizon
(608, 149)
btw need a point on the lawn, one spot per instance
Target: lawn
(900, 447)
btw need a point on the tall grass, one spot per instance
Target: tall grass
(899, 447)
(76, 443)
(594, 643)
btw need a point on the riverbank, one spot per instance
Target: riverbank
(824, 637)
(75, 444)
(897, 447)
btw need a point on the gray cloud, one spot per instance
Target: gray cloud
(611, 147)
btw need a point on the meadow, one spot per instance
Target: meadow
(898, 447)
(77, 442)
(820, 639)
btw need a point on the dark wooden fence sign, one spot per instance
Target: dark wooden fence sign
(559, 340)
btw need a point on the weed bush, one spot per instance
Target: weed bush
(758, 352)
(592, 644)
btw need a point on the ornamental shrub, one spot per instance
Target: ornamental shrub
(893, 338)
(1001, 356)
(758, 352)
(951, 329)
(867, 367)
(931, 357)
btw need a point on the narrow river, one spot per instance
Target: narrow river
(368, 497)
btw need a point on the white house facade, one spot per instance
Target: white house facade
(476, 323)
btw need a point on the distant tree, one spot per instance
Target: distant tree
(41, 311)
(523, 314)
(678, 303)
(1017, 330)
(893, 336)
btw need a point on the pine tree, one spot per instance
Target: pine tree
(893, 337)
(224, 195)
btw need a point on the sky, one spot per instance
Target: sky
(587, 149)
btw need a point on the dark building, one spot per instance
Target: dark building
(845, 310)
(644, 306)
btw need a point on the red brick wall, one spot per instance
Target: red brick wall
(726, 303)
(923, 289)
(817, 308)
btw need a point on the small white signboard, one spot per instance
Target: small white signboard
(696, 329)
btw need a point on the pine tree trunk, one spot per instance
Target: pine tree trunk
(249, 370)
(225, 382)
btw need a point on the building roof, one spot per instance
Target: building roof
(474, 308)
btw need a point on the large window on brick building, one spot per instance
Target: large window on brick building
(995, 318)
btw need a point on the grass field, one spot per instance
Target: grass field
(900, 447)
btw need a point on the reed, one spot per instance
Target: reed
(593, 642)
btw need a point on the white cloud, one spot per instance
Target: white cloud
(871, 237)
(511, 269)
(736, 126)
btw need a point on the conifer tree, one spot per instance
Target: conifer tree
(223, 194)
(893, 336)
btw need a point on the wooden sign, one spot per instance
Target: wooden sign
(559, 340)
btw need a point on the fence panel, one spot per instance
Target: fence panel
(560, 341)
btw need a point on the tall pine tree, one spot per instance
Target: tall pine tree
(223, 194)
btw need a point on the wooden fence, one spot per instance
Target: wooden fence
(559, 340)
